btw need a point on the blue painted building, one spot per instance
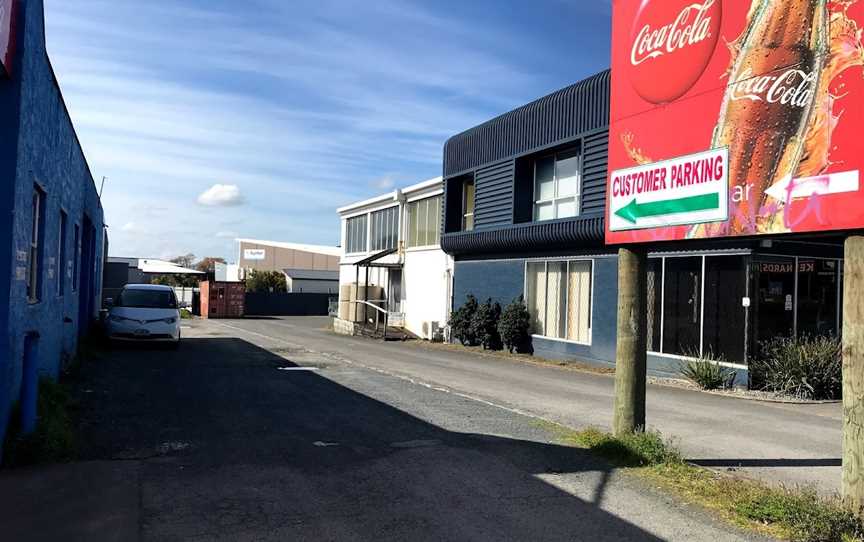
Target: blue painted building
(525, 198)
(51, 221)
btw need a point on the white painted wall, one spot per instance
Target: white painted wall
(424, 288)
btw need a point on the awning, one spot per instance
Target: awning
(372, 260)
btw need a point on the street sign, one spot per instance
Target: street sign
(689, 189)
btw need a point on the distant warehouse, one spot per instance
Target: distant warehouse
(51, 220)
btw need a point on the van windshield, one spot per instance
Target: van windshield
(146, 299)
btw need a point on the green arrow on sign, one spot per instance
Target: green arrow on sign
(634, 210)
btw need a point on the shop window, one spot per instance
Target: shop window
(385, 229)
(557, 186)
(559, 299)
(468, 205)
(774, 303)
(655, 302)
(424, 222)
(37, 234)
(355, 234)
(818, 300)
(61, 256)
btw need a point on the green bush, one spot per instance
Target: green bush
(461, 321)
(806, 367)
(515, 327)
(266, 281)
(632, 450)
(707, 373)
(484, 325)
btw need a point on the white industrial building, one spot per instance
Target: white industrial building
(391, 249)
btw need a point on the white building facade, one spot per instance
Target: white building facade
(391, 243)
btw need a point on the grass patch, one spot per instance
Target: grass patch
(54, 440)
(185, 314)
(799, 515)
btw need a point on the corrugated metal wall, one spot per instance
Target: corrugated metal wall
(494, 195)
(577, 109)
(595, 161)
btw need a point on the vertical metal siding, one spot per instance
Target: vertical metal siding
(493, 199)
(577, 109)
(595, 160)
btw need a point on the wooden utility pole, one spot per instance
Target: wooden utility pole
(630, 352)
(853, 373)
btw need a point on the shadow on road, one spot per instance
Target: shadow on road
(234, 448)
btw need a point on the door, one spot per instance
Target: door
(395, 290)
(682, 313)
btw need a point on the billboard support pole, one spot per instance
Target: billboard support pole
(853, 373)
(630, 352)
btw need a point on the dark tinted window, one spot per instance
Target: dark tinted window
(147, 299)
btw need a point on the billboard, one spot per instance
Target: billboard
(734, 118)
(7, 34)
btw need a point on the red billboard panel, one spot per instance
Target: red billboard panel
(734, 118)
(7, 34)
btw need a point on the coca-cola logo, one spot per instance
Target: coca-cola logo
(671, 45)
(793, 87)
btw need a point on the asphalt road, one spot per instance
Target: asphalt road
(779, 443)
(277, 431)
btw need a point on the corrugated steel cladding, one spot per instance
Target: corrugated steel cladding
(562, 115)
(578, 115)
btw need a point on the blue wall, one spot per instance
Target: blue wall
(39, 146)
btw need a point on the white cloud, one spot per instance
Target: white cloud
(384, 183)
(226, 235)
(129, 227)
(221, 195)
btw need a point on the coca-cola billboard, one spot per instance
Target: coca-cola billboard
(735, 118)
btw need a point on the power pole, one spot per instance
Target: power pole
(853, 373)
(630, 352)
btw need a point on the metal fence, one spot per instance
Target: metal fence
(185, 295)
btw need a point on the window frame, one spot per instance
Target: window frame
(36, 246)
(364, 230)
(466, 213)
(390, 228)
(566, 261)
(62, 232)
(412, 234)
(536, 201)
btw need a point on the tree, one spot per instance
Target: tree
(266, 281)
(208, 263)
(187, 260)
(461, 319)
(484, 325)
(515, 327)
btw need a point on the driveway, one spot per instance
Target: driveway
(779, 443)
(275, 430)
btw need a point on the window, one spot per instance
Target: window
(385, 229)
(557, 186)
(695, 308)
(76, 257)
(61, 256)
(468, 206)
(146, 299)
(34, 260)
(355, 234)
(424, 222)
(559, 299)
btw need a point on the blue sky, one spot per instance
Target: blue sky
(217, 119)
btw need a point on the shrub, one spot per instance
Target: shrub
(484, 325)
(632, 450)
(707, 373)
(515, 327)
(461, 320)
(266, 281)
(806, 367)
